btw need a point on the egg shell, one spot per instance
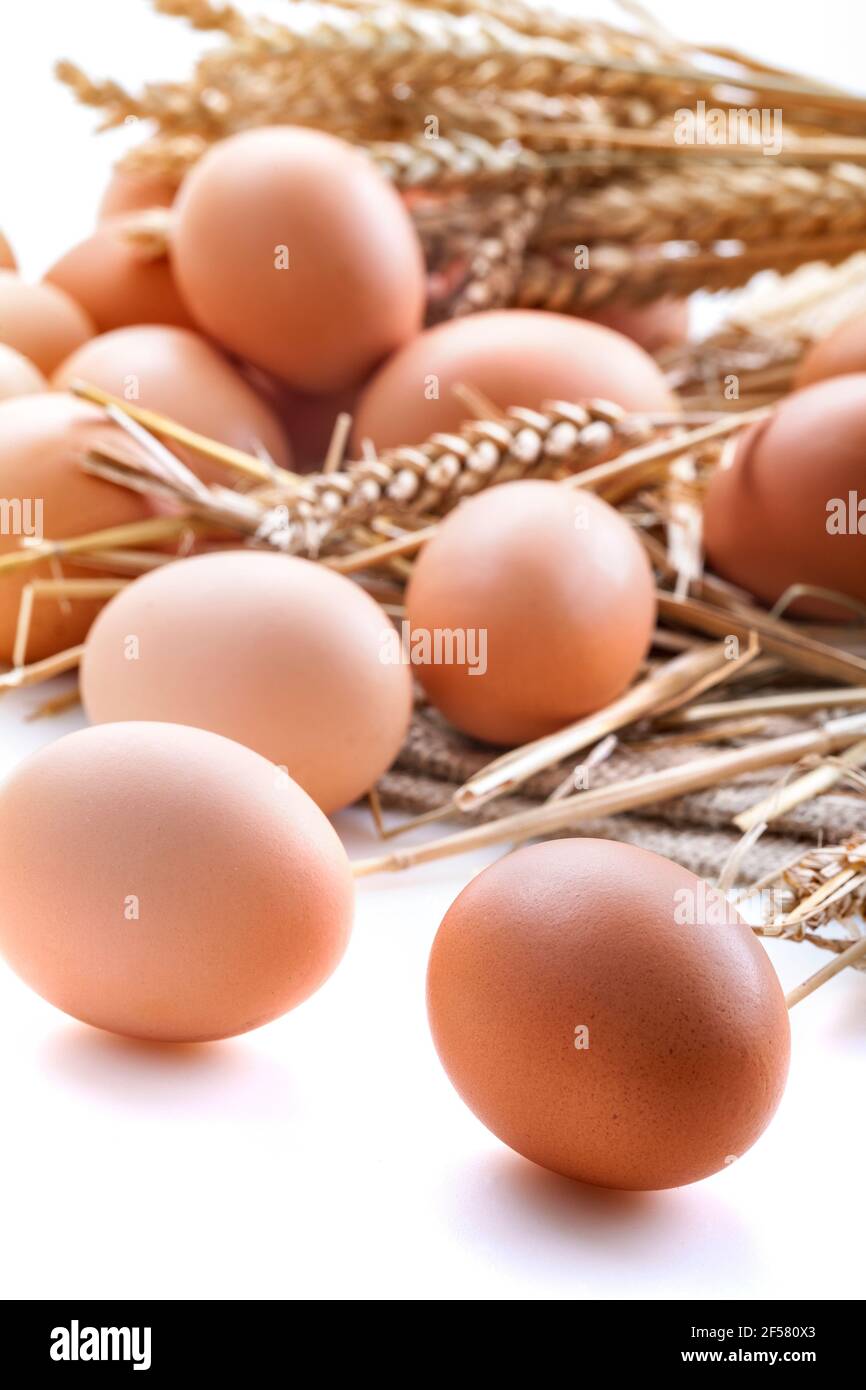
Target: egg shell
(661, 324)
(512, 356)
(180, 374)
(354, 286)
(135, 193)
(7, 255)
(41, 322)
(165, 883)
(116, 282)
(564, 592)
(279, 653)
(840, 353)
(766, 515)
(43, 439)
(687, 1049)
(18, 375)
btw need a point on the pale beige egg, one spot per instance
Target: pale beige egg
(165, 883)
(279, 653)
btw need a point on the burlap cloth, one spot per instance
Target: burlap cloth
(696, 830)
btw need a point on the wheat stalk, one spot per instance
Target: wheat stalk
(823, 886)
(109, 97)
(437, 47)
(459, 159)
(539, 20)
(408, 482)
(631, 794)
(668, 687)
(521, 97)
(467, 44)
(209, 15)
(626, 272)
(713, 203)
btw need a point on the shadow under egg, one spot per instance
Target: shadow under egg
(228, 1079)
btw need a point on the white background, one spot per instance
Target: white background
(327, 1156)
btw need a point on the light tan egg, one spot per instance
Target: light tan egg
(180, 374)
(118, 281)
(608, 1015)
(164, 883)
(279, 653)
(41, 321)
(18, 375)
(46, 493)
(513, 357)
(544, 605)
(294, 252)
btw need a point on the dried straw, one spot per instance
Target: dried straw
(524, 99)
(706, 771)
(673, 684)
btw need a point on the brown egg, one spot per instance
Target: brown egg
(843, 351)
(553, 600)
(179, 374)
(278, 653)
(42, 441)
(660, 324)
(135, 193)
(7, 255)
(18, 376)
(293, 251)
(791, 507)
(117, 282)
(165, 883)
(41, 321)
(606, 1014)
(514, 357)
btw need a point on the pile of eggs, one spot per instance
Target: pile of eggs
(170, 872)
